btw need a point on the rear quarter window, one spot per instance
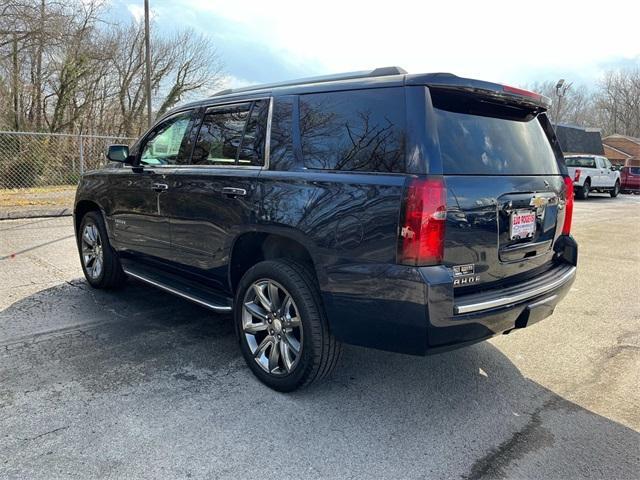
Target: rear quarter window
(485, 145)
(356, 130)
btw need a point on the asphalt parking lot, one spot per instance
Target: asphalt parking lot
(140, 384)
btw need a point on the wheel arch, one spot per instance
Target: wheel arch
(82, 208)
(85, 206)
(251, 247)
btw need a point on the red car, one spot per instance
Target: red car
(630, 179)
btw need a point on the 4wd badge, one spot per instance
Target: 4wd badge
(465, 275)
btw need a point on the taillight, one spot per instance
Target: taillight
(422, 224)
(568, 206)
(577, 176)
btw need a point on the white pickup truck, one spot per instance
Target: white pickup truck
(592, 173)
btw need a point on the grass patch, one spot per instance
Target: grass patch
(58, 195)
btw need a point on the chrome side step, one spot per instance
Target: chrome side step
(199, 297)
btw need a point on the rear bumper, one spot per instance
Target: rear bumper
(476, 317)
(545, 284)
(416, 311)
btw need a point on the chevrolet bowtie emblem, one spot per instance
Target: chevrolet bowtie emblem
(539, 202)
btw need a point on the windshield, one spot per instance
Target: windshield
(585, 162)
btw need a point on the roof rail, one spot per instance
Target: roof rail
(378, 72)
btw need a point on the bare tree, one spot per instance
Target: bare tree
(618, 101)
(64, 68)
(577, 106)
(613, 104)
(181, 65)
(196, 66)
(16, 36)
(72, 73)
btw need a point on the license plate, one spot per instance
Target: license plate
(522, 225)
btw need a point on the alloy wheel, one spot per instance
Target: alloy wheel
(272, 327)
(92, 255)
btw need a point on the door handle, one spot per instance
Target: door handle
(159, 187)
(234, 192)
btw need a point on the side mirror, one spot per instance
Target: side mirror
(118, 153)
(613, 168)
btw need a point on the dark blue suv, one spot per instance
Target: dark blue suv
(411, 213)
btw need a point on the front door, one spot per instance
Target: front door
(214, 196)
(600, 177)
(140, 226)
(609, 176)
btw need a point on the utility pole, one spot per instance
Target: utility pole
(147, 49)
(15, 83)
(38, 79)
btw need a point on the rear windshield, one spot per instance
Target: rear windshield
(473, 144)
(585, 162)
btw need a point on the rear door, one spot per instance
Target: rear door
(212, 195)
(505, 188)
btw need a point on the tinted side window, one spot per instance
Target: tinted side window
(253, 141)
(281, 156)
(220, 135)
(166, 144)
(354, 130)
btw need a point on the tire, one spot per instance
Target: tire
(583, 192)
(616, 190)
(94, 241)
(264, 336)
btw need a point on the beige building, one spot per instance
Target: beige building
(621, 149)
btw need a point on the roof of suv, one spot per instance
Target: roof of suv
(379, 77)
(365, 74)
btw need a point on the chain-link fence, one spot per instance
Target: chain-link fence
(39, 171)
(29, 160)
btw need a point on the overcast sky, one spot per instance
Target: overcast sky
(513, 42)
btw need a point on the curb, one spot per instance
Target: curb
(41, 213)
